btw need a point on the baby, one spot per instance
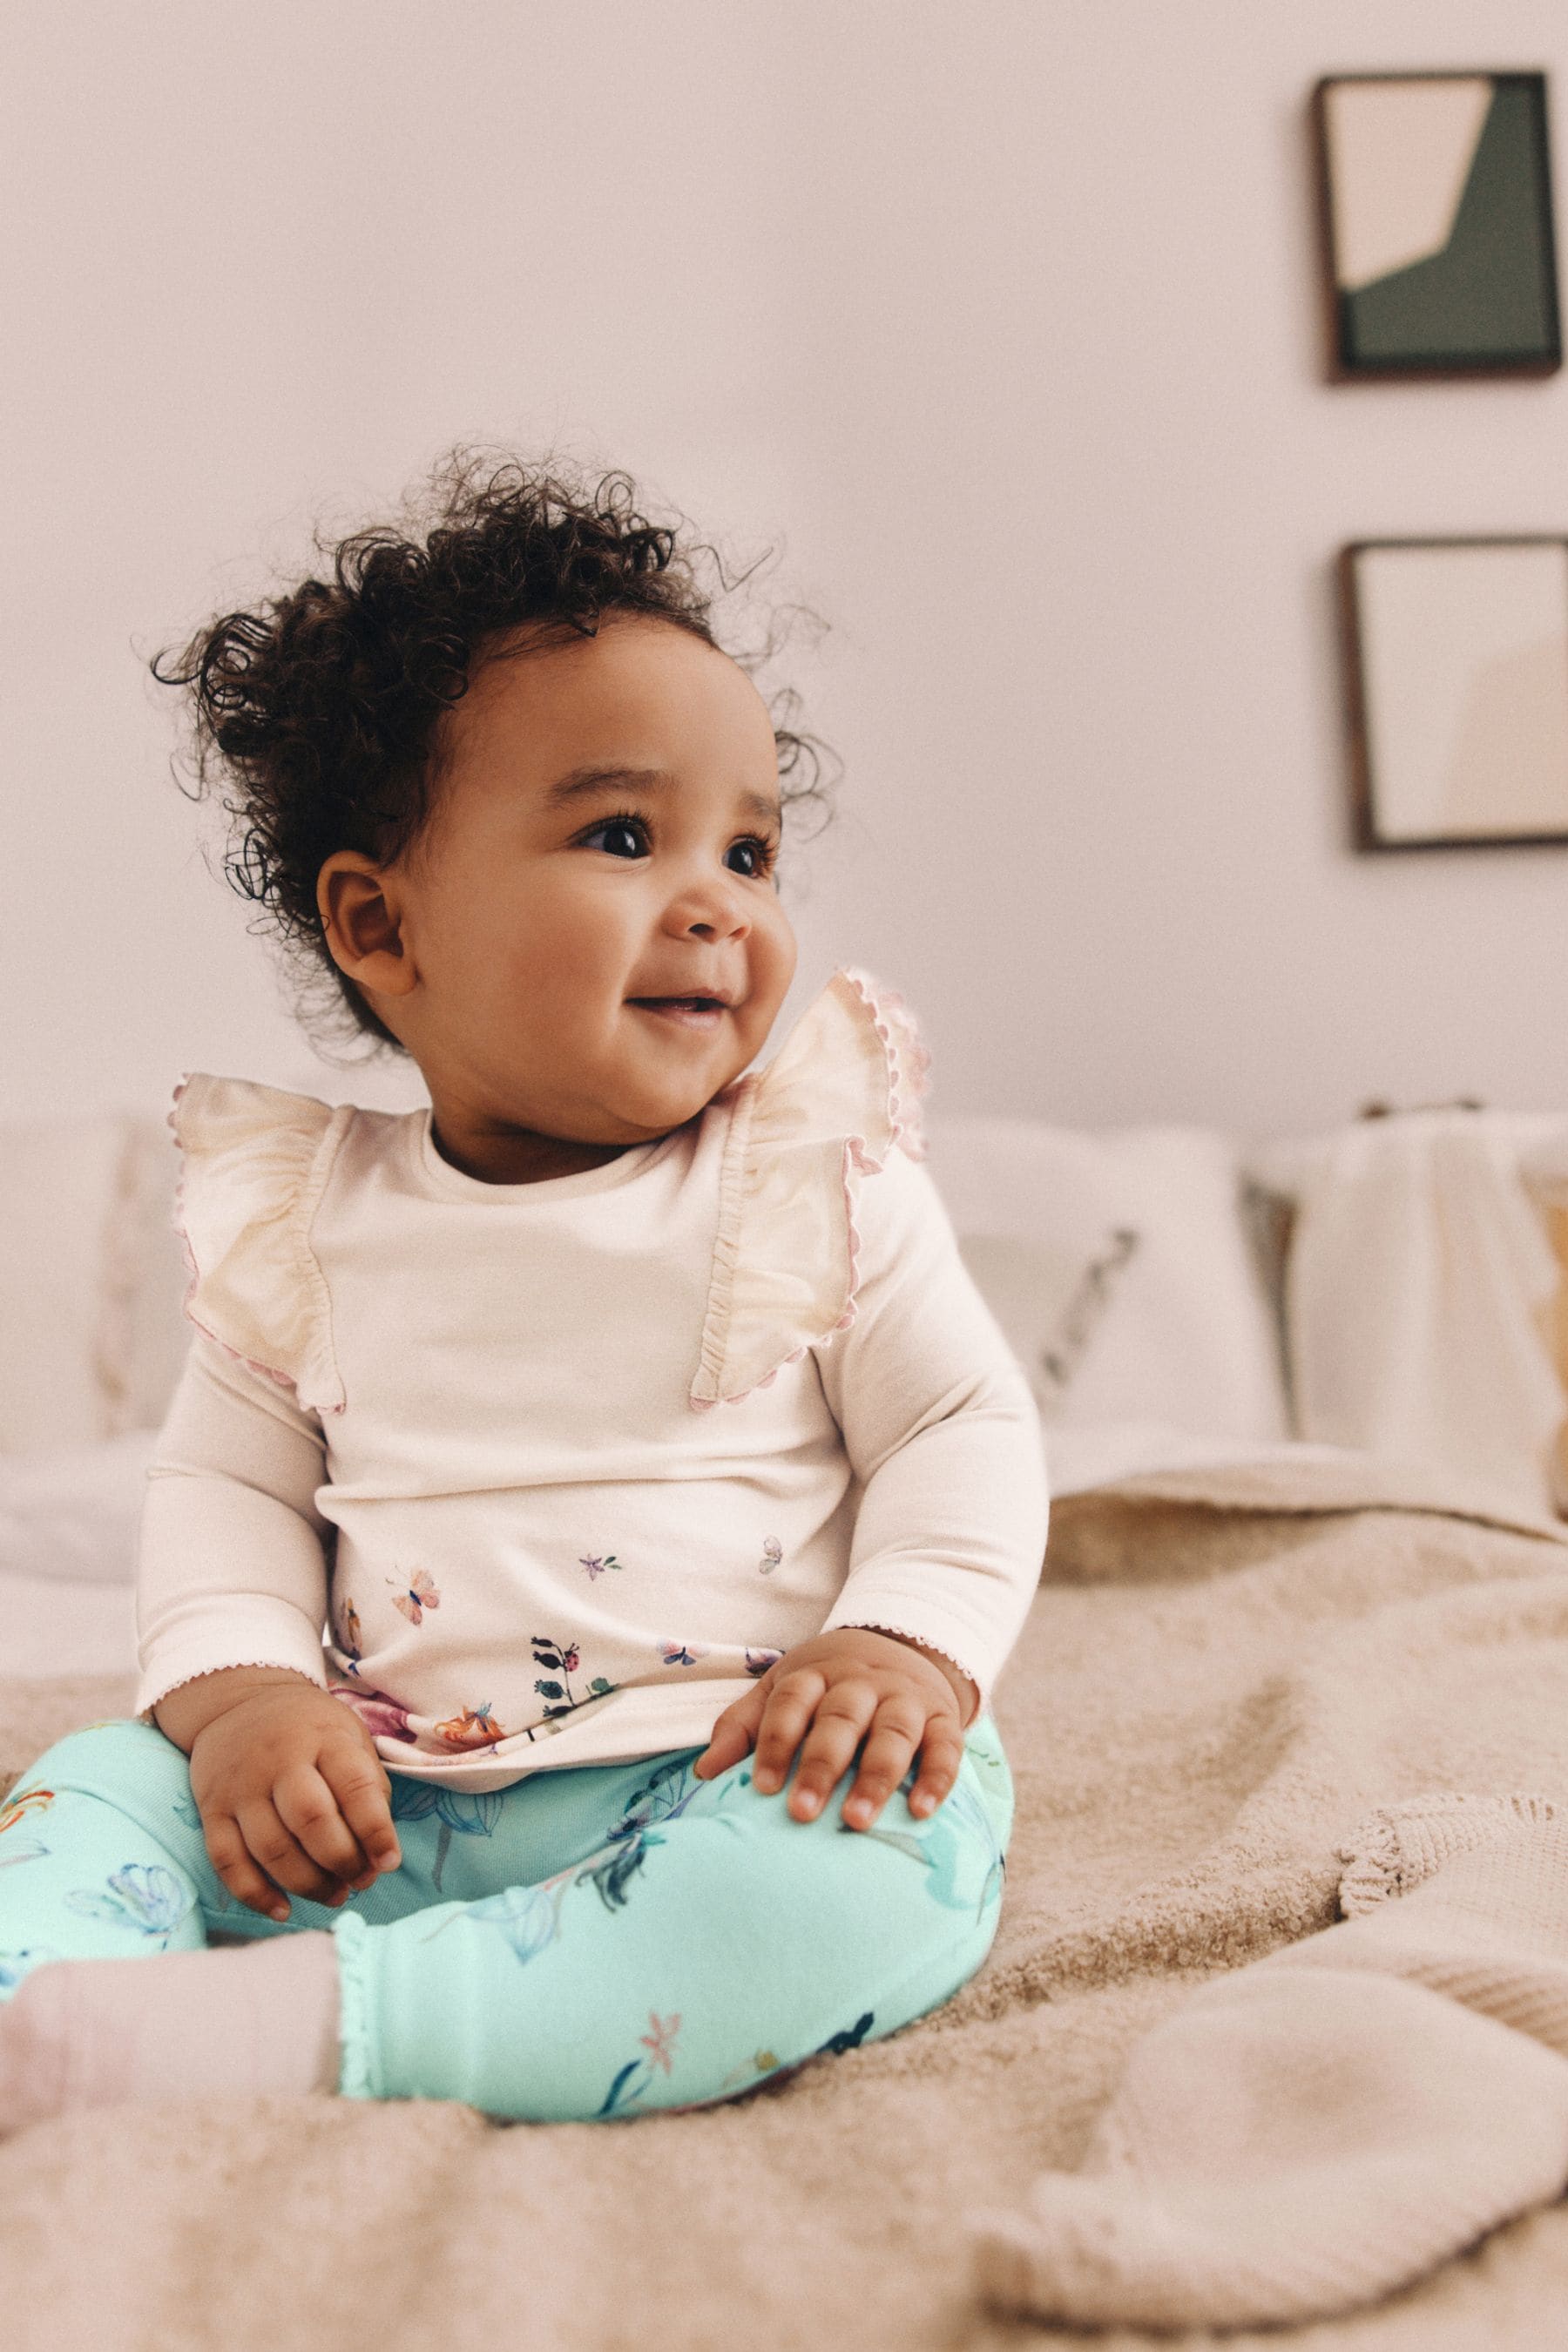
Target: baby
(626, 1418)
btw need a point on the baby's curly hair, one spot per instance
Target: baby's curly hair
(325, 706)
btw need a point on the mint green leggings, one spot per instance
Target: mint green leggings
(596, 1942)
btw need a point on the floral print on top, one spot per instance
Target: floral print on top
(559, 1681)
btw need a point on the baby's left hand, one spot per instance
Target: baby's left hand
(848, 1685)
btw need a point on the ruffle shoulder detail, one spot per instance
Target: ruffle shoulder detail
(255, 1164)
(803, 1135)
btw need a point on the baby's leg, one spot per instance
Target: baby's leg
(101, 1854)
(103, 1865)
(102, 1858)
(710, 1942)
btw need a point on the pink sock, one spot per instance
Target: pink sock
(177, 2025)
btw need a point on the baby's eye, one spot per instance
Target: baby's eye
(613, 824)
(762, 854)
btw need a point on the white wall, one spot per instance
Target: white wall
(1002, 318)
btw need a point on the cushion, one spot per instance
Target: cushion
(91, 1278)
(1120, 1269)
(1543, 1167)
(74, 1514)
(146, 1335)
(59, 1186)
(1421, 1295)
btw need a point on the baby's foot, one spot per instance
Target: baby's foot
(175, 2025)
(32, 2055)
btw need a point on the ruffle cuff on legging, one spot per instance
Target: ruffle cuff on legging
(349, 1934)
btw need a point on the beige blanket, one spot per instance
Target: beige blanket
(1223, 1674)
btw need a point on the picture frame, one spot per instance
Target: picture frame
(1456, 667)
(1435, 213)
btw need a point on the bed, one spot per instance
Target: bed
(1244, 1642)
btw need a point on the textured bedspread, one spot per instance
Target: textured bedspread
(1222, 1674)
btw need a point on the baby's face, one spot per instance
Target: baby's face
(605, 833)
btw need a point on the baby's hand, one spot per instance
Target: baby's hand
(290, 1788)
(848, 1685)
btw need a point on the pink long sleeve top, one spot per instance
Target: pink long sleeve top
(544, 1475)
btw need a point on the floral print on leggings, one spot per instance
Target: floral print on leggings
(529, 1919)
(641, 1942)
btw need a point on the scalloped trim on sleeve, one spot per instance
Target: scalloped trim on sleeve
(291, 1666)
(255, 1162)
(803, 1133)
(907, 1634)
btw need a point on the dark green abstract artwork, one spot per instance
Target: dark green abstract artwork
(1436, 212)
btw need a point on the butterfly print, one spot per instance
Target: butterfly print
(419, 1596)
(758, 1661)
(681, 1654)
(475, 1727)
(143, 1897)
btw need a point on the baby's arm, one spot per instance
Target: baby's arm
(230, 1601)
(944, 1435)
(290, 1791)
(181, 1714)
(232, 1566)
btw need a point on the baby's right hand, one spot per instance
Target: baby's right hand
(292, 1790)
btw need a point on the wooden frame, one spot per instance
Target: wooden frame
(1372, 829)
(1361, 322)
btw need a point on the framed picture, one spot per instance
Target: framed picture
(1434, 200)
(1457, 687)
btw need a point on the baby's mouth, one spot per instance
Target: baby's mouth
(688, 1011)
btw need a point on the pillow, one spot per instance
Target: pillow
(92, 1337)
(144, 1337)
(57, 1189)
(73, 1515)
(56, 1629)
(1119, 1270)
(1544, 1171)
(1422, 1295)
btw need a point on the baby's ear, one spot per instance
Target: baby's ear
(362, 917)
